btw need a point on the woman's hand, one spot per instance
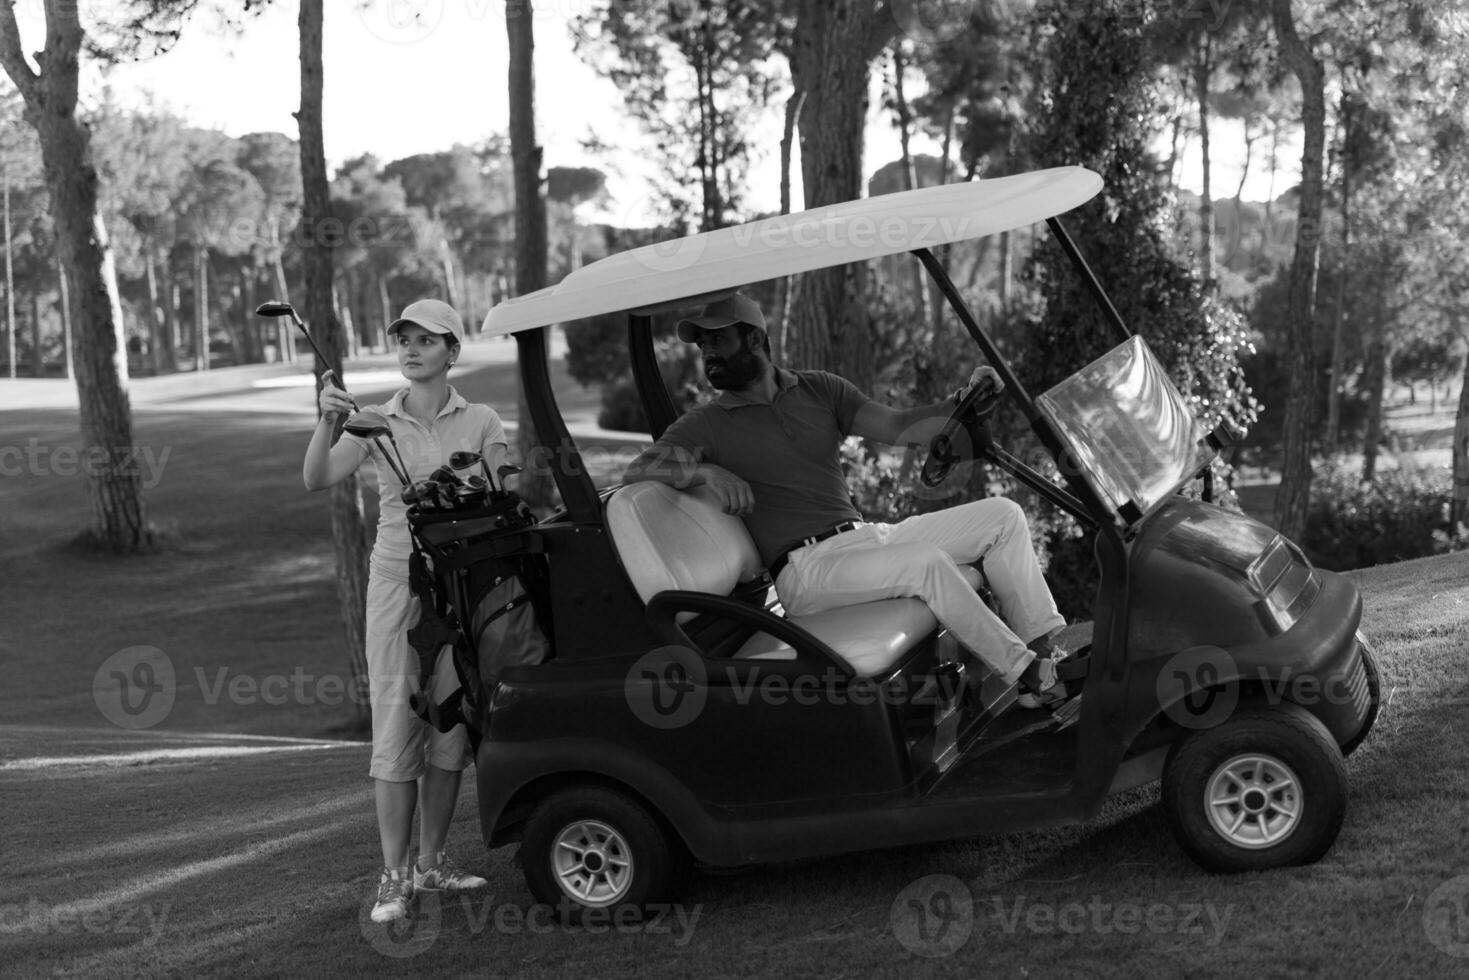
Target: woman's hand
(333, 400)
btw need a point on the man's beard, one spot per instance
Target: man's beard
(738, 371)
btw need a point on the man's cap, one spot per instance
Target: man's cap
(734, 308)
(433, 315)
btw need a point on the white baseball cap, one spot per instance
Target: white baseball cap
(433, 315)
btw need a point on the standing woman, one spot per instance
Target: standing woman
(413, 765)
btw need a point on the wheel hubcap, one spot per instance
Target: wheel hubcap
(1253, 801)
(592, 863)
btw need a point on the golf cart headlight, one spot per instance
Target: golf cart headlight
(1285, 582)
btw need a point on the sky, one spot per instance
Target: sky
(416, 76)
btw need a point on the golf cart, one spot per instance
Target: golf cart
(679, 718)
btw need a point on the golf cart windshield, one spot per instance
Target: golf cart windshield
(1133, 437)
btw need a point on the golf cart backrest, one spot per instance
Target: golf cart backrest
(671, 540)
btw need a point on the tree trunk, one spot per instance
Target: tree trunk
(349, 531)
(1376, 382)
(833, 45)
(9, 284)
(66, 337)
(38, 354)
(1293, 498)
(171, 317)
(1338, 319)
(910, 179)
(157, 340)
(113, 483)
(1203, 71)
(786, 285)
(201, 308)
(284, 331)
(1459, 506)
(386, 305)
(530, 223)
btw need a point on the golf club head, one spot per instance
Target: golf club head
(367, 424)
(463, 459)
(509, 469)
(446, 476)
(275, 308)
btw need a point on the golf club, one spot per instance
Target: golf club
(276, 308)
(465, 459)
(371, 425)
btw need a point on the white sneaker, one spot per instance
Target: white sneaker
(446, 876)
(1051, 689)
(394, 892)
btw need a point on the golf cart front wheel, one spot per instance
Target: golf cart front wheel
(592, 848)
(1266, 789)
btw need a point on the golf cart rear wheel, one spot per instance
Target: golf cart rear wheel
(589, 847)
(1266, 789)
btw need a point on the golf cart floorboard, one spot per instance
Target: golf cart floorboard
(1019, 752)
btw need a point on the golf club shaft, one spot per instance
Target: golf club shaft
(402, 475)
(295, 318)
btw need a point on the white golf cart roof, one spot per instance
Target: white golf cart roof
(854, 231)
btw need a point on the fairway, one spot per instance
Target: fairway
(234, 835)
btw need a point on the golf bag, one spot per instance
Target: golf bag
(480, 579)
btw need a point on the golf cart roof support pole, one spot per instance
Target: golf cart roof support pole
(651, 389)
(1042, 487)
(570, 474)
(1039, 424)
(991, 353)
(1087, 276)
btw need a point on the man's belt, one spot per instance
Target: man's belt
(777, 566)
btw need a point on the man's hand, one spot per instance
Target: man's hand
(734, 494)
(985, 379)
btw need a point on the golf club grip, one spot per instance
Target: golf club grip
(331, 375)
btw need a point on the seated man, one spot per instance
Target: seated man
(768, 448)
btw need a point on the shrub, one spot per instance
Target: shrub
(1402, 514)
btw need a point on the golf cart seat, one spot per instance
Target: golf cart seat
(670, 539)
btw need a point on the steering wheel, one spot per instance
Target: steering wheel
(978, 405)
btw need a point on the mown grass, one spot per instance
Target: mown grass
(262, 865)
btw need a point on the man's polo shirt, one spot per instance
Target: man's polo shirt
(786, 450)
(459, 426)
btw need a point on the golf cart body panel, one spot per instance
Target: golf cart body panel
(870, 728)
